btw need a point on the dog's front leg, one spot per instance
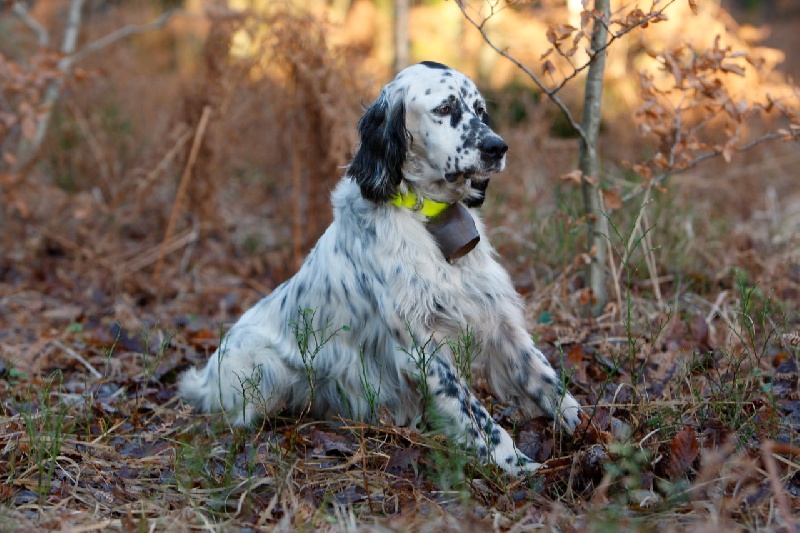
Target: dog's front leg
(472, 424)
(517, 369)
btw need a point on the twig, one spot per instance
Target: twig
(21, 12)
(612, 37)
(553, 97)
(767, 449)
(125, 31)
(78, 357)
(699, 159)
(159, 251)
(183, 186)
(650, 259)
(165, 161)
(551, 91)
(364, 475)
(614, 274)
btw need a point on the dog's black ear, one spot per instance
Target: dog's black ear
(378, 164)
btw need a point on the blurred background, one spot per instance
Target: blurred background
(191, 164)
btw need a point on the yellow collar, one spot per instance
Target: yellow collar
(426, 206)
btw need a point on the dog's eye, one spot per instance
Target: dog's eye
(443, 110)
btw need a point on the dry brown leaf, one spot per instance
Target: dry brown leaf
(683, 450)
(611, 199)
(574, 176)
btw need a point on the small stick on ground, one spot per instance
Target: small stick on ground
(78, 357)
(767, 449)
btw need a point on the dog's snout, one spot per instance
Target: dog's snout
(493, 148)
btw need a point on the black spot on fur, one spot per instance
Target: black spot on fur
(378, 165)
(434, 64)
(477, 201)
(456, 113)
(283, 302)
(448, 388)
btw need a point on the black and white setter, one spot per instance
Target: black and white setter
(375, 316)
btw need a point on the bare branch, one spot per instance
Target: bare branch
(551, 91)
(539, 83)
(125, 31)
(21, 12)
(73, 27)
(28, 150)
(612, 37)
(704, 157)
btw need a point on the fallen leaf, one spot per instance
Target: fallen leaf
(575, 361)
(683, 449)
(403, 460)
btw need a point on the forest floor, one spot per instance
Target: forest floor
(689, 378)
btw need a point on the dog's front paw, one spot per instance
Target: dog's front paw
(518, 464)
(569, 412)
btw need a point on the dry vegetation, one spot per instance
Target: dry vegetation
(171, 195)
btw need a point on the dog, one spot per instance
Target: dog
(376, 316)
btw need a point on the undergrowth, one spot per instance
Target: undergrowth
(689, 377)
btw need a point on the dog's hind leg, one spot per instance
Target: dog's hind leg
(246, 384)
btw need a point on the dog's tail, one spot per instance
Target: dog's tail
(201, 388)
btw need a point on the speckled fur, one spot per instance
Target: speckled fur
(378, 285)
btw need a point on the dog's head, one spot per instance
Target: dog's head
(430, 127)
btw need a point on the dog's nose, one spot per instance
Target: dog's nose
(493, 148)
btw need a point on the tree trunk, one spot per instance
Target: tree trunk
(400, 35)
(590, 166)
